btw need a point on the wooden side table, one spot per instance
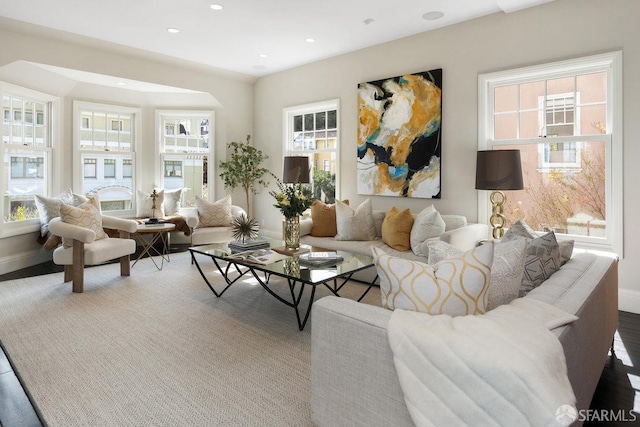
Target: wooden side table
(148, 235)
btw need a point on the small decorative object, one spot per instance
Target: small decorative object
(153, 219)
(292, 200)
(244, 228)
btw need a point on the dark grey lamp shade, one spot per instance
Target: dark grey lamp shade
(296, 170)
(499, 170)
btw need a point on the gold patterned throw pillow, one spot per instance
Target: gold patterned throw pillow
(456, 286)
(396, 228)
(324, 219)
(87, 215)
(214, 214)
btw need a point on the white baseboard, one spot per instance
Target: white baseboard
(15, 262)
(629, 300)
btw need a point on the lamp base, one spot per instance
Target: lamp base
(497, 219)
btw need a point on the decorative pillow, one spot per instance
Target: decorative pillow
(396, 228)
(520, 228)
(506, 271)
(566, 250)
(428, 224)
(144, 204)
(73, 199)
(543, 259)
(86, 215)
(324, 219)
(355, 224)
(456, 286)
(171, 203)
(214, 214)
(49, 207)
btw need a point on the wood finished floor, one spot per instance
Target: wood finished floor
(615, 392)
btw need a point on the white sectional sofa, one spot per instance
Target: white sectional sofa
(353, 378)
(458, 233)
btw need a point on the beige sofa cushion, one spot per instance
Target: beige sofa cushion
(355, 224)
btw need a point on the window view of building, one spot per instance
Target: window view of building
(106, 146)
(312, 130)
(185, 150)
(559, 121)
(25, 150)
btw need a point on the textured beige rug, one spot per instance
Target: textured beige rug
(158, 348)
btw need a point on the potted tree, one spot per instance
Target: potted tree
(243, 169)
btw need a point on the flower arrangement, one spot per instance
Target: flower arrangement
(292, 199)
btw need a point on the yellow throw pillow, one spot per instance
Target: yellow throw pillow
(324, 219)
(456, 286)
(396, 229)
(86, 215)
(216, 214)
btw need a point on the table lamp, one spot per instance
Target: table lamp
(498, 170)
(296, 170)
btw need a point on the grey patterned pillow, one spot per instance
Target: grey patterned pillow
(543, 259)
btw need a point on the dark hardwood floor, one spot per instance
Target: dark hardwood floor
(614, 397)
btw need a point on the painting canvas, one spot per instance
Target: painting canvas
(399, 144)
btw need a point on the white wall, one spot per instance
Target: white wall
(558, 30)
(229, 95)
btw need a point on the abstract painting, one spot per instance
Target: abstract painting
(399, 147)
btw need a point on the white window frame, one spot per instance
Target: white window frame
(544, 164)
(287, 125)
(78, 169)
(8, 229)
(161, 154)
(611, 63)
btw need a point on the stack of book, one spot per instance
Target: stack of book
(247, 245)
(320, 259)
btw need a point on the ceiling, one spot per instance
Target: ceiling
(252, 37)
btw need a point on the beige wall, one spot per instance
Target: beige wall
(554, 31)
(229, 95)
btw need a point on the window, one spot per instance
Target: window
(104, 144)
(25, 151)
(565, 118)
(90, 168)
(186, 151)
(172, 168)
(312, 130)
(110, 168)
(127, 168)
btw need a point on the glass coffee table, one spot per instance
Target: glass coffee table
(297, 275)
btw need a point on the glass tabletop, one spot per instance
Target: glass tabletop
(292, 267)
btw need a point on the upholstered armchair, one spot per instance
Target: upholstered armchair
(81, 247)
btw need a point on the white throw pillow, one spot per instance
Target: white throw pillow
(49, 207)
(506, 271)
(428, 224)
(456, 286)
(172, 201)
(144, 205)
(87, 215)
(355, 224)
(214, 214)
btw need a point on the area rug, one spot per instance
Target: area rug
(158, 348)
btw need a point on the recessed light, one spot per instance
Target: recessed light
(369, 21)
(263, 55)
(432, 16)
(310, 40)
(173, 30)
(216, 6)
(259, 67)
